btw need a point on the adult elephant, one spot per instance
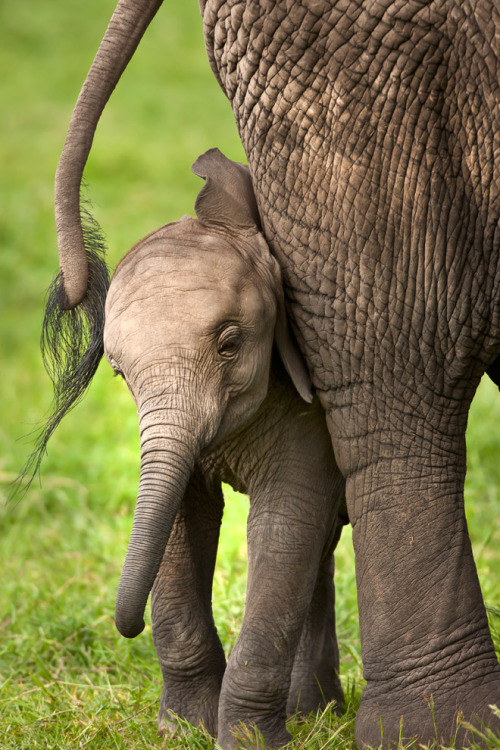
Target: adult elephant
(372, 134)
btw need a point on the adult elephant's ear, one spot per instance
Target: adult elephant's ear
(227, 197)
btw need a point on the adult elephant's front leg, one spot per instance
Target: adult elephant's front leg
(186, 641)
(284, 548)
(427, 652)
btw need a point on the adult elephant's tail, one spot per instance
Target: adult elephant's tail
(126, 28)
(72, 333)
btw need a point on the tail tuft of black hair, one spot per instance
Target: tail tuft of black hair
(71, 344)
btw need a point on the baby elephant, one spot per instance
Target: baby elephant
(196, 325)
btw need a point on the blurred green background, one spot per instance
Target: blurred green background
(67, 679)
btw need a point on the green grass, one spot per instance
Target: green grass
(67, 679)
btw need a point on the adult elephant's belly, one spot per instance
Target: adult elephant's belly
(374, 230)
(331, 198)
(334, 234)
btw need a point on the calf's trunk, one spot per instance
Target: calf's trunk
(168, 454)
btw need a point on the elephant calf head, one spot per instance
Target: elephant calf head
(191, 316)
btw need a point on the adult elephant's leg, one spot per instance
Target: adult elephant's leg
(186, 641)
(285, 540)
(427, 650)
(315, 675)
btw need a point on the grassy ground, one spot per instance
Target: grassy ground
(67, 679)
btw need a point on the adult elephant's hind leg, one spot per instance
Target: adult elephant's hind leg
(186, 641)
(428, 656)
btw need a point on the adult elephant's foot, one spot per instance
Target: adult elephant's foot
(429, 714)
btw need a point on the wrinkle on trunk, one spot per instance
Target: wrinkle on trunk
(168, 454)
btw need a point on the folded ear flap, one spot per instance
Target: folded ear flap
(287, 347)
(291, 357)
(227, 198)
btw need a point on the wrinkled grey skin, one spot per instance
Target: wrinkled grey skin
(372, 134)
(191, 317)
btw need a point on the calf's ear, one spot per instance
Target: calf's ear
(227, 197)
(285, 341)
(290, 354)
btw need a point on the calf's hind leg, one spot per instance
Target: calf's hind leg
(315, 675)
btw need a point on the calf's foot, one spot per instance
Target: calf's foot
(243, 734)
(253, 696)
(315, 681)
(193, 700)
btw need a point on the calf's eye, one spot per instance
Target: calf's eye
(229, 345)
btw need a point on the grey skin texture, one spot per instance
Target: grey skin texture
(192, 317)
(372, 135)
